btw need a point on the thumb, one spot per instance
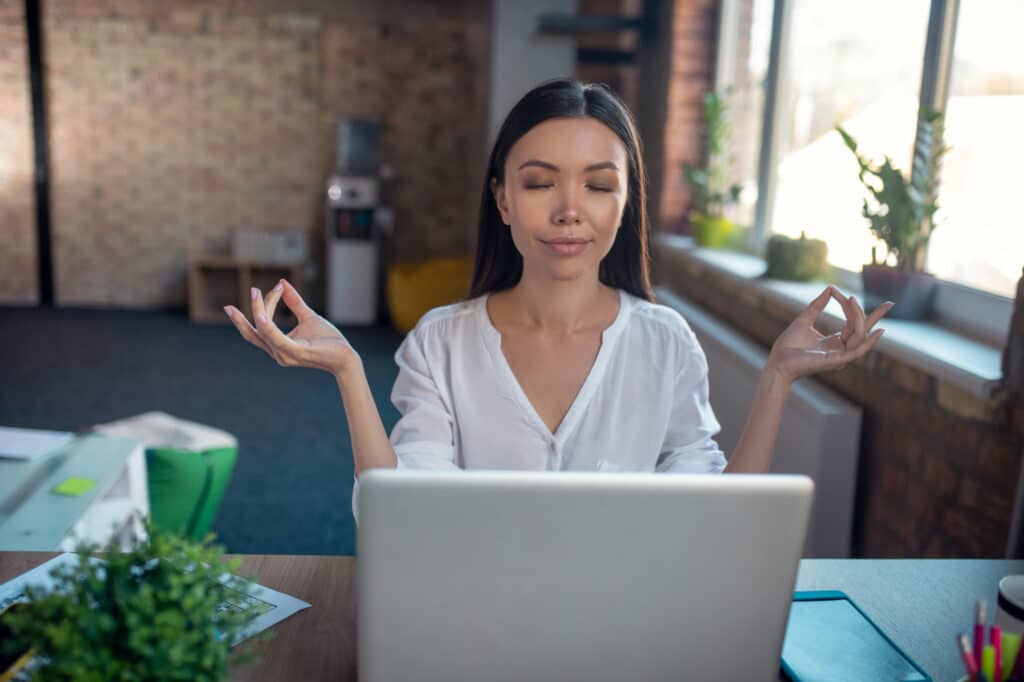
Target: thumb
(816, 307)
(294, 301)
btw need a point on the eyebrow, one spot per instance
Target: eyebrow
(550, 166)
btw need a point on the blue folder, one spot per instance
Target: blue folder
(829, 639)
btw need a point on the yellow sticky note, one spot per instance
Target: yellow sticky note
(74, 486)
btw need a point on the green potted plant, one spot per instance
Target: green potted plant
(800, 260)
(903, 218)
(710, 187)
(153, 612)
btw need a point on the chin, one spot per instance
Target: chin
(567, 272)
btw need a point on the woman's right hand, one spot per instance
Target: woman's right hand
(314, 342)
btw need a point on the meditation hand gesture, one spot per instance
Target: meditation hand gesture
(314, 342)
(801, 350)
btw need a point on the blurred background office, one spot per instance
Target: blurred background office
(158, 158)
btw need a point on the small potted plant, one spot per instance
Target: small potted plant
(903, 218)
(153, 612)
(799, 260)
(710, 186)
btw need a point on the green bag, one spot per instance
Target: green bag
(188, 466)
(186, 487)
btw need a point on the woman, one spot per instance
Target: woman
(559, 359)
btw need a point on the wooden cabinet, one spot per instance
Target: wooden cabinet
(217, 281)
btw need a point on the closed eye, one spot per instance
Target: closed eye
(595, 188)
(538, 186)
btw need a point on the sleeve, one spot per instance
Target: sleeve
(423, 437)
(689, 445)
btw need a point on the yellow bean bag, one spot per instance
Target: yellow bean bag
(415, 288)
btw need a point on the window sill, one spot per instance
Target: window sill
(966, 363)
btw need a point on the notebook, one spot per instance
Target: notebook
(829, 639)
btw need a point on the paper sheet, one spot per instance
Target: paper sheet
(31, 443)
(268, 607)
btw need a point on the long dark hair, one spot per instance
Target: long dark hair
(499, 264)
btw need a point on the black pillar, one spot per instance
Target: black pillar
(33, 27)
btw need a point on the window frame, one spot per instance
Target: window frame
(973, 312)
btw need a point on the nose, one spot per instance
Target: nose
(567, 213)
(567, 217)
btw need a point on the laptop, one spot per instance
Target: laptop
(499, 575)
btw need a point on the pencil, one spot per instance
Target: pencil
(979, 630)
(965, 652)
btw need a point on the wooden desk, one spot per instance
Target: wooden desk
(921, 604)
(318, 643)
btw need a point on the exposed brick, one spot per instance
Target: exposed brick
(964, 404)
(921, 504)
(957, 526)
(904, 531)
(935, 549)
(913, 454)
(939, 476)
(1013, 359)
(172, 124)
(1017, 420)
(902, 407)
(894, 479)
(17, 197)
(998, 460)
(692, 72)
(911, 379)
(919, 462)
(969, 496)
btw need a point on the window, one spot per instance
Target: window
(863, 65)
(746, 27)
(857, 64)
(979, 240)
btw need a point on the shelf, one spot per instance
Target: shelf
(217, 281)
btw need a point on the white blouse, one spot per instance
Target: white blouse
(643, 406)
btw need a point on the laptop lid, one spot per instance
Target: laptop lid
(485, 575)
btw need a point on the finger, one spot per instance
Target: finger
(271, 299)
(877, 314)
(849, 326)
(838, 359)
(295, 302)
(815, 307)
(245, 328)
(858, 323)
(270, 332)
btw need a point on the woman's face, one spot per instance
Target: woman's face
(564, 193)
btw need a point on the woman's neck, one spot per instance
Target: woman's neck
(557, 308)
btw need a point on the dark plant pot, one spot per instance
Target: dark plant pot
(912, 292)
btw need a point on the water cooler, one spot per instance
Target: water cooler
(355, 222)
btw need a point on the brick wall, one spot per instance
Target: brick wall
(1013, 380)
(938, 467)
(692, 66)
(18, 259)
(171, 124)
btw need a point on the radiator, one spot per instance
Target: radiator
(819, 435)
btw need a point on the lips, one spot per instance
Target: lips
(566, 246)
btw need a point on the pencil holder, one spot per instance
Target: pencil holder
(1010, 614)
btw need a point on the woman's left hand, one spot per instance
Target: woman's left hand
(801, 349)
